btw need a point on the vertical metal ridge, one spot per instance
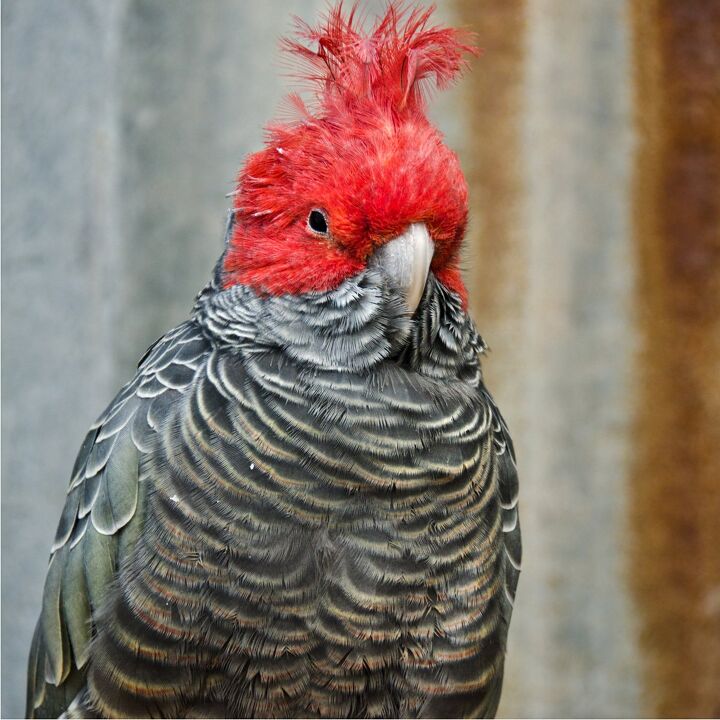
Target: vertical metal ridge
(675, 491)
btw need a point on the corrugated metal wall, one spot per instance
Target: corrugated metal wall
(675, 482)
(554, 271)
(589, 136)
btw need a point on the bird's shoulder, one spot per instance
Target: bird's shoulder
(102, 515)
(508, 490)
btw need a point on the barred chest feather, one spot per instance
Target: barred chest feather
(326, 523)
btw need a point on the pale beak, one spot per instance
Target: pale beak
(405, 260)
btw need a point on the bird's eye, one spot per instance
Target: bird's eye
(317, 222)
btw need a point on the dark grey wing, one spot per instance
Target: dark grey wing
(508, 486)
(504, 453)
(102, 517)
(509, 492)
(471, 347)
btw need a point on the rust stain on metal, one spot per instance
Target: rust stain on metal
(676, 477)
(491, 161)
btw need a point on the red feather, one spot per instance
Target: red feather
(392, 65)
(365, 153)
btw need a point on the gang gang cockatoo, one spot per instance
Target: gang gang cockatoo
(305, 502)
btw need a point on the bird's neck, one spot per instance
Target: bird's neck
(353, 328)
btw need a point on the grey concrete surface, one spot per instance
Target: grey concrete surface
(60, 286)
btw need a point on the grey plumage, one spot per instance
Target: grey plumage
(300, 506)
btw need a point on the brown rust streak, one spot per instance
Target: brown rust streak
(676, 483)
(491, 160)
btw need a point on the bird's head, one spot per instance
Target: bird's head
(362, 179)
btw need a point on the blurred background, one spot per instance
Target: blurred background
(589, 133)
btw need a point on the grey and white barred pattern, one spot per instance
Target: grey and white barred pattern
(300, 506)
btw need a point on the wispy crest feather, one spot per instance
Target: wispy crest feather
(395, 64)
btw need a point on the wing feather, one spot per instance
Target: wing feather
(76, 606)
(509, 491)
(118, 489)
(67, 519)
(102, 519)
(99, 564)
(54, 633)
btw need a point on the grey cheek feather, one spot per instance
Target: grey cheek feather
(359, 324)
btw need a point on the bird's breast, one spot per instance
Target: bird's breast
(327, 535)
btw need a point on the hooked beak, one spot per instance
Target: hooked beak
(405, 260)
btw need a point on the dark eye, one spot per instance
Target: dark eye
(317, 222)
